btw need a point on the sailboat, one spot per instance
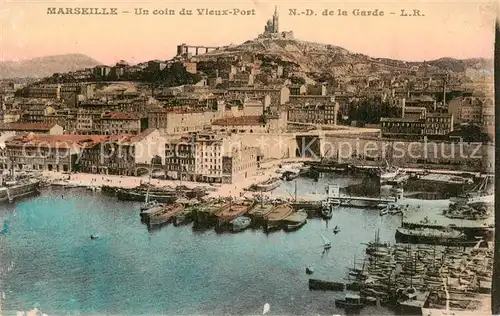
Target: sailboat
(267, 307)
(388, 173)
(336, 230)
(326, 243)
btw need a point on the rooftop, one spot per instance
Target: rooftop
(401, 120)
(120, 116)
(26, 127)
(54, 141)
(239, 121)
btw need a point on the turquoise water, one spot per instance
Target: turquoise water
(175, 270)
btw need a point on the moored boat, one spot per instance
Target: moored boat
(140, 195)
(13, 190)
(146, 213)
(165, 215)
(235, 210)
(290, 175)
(273, 219)
(185, 216)
(267, 186)
(260, 210)
(206, 214)
(430, 236)
(295, 220)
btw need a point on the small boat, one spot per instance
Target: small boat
(93, 237)
(326, 243)
(240, 223)
(268, 185)
(351, 302)
(290, 175)
(384, 211)
(309, 270)
(336, 230)
(382, 205)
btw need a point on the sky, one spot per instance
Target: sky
(448, 28)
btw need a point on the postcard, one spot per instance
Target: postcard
(247, 158)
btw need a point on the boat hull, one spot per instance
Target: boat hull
(267, 187)
(164, 218)
(348, 306)
(294, 227)
(19, 191)
(126, 195)
(432, 240)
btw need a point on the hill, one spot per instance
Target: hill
(311, 57)
(45, 66)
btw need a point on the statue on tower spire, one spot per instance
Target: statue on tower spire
(276, 28)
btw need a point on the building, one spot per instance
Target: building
(49, 129)
(210, 157)
(11, 116)
(412, 128)
(88, 122)
(266, 123)
(180, 158)
(488, 116)
(46, 152)
(310, 98)
(271, 29)
(470, 110)
(110, 154)
(116, 123)
(240, 164)
(414, 112)
(181, 120)
(297, 89)
(438, 124)
(318, 89)
(424, 101)
(314, 114)
(42, 91)
(124, 154)
(278, 95)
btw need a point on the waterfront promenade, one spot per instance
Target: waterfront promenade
(267, 170)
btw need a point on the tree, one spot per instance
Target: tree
(297, 80)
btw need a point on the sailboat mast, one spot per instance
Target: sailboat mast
(261, 200)
(295, 191)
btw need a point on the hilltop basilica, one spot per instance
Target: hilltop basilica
(271, 30)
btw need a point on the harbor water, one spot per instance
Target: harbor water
(55, 266)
